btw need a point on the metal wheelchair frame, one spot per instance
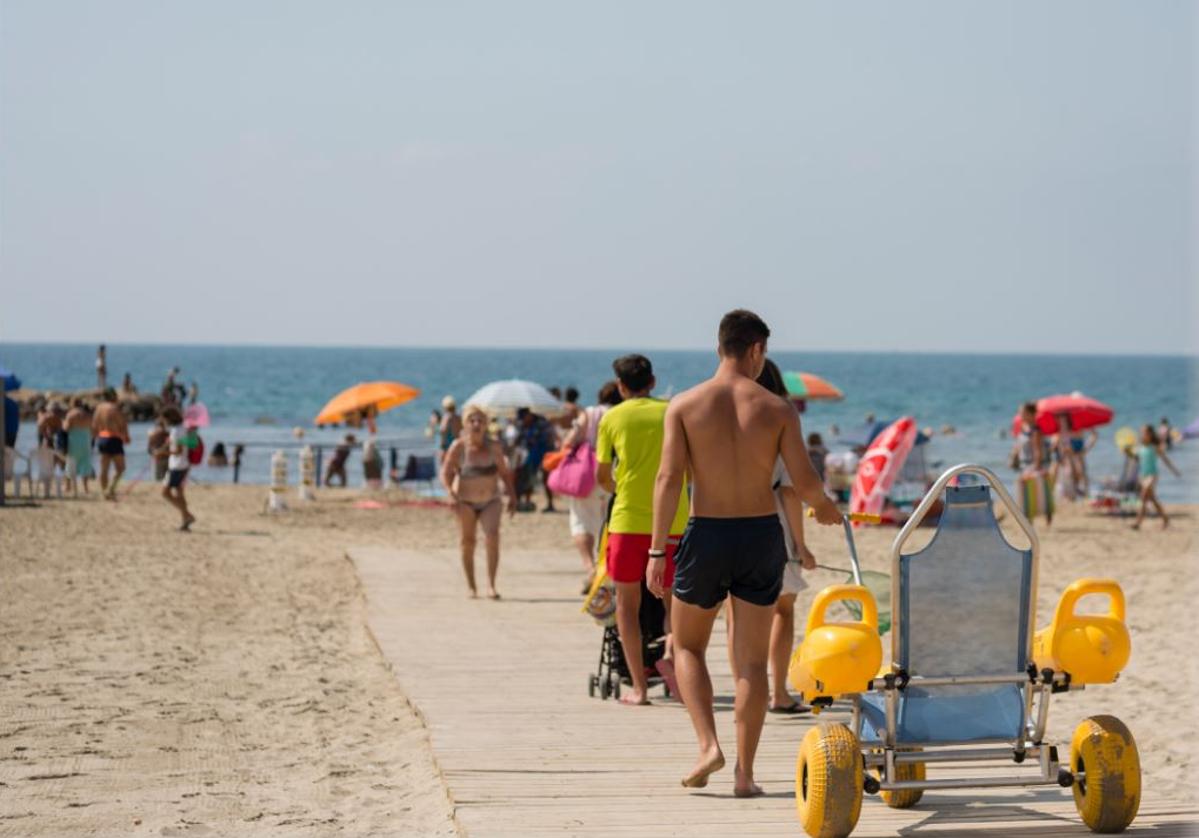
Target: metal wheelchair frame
(887, 754)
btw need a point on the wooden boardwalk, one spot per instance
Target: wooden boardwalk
(502, 687)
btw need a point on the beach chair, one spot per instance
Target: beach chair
(1119, 495)
(44, 461)
(419, 470)
(11, 458)
(970, 679)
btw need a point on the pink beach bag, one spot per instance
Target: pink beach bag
(575, 475)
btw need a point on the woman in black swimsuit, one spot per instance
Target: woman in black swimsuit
(472, 471)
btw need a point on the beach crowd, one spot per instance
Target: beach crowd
(699, 501)
(71, 437)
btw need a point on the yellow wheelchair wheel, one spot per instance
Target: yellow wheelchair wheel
(908, 771)
(1108, 793)
(828, 781)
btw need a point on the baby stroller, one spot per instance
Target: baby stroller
(600, 603)
(612, 670)
(970, 678)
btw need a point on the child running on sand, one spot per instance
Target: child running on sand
(1147, 455)
(177, 466)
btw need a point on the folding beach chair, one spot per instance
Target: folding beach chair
(970, 679)
(420, 470)
(1119, 495)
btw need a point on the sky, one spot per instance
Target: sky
(925, 176)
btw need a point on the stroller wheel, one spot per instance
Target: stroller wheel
(605, 689)
(616, 690)
(592, 683)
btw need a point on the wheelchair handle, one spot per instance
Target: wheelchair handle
(837, 593)
(847, 521)
(855, 517)
(1083, 587)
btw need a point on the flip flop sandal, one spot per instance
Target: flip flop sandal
(792, 710)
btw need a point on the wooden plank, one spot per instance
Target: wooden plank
(524, 751)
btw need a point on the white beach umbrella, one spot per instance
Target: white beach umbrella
(504, 398)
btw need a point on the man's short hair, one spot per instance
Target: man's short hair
(172, 415)
(634, 371)
(739, 330)
(572, 394)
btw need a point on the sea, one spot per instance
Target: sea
(257, 395)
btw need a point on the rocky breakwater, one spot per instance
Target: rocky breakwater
(137, 407)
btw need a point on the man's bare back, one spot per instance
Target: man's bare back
(732, 428)
(109, 421)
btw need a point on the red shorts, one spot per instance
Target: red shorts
(628, 555)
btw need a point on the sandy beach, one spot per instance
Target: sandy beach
(225, 681)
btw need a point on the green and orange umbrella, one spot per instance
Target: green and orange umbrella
(806, 386)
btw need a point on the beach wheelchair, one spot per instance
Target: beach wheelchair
(970, 678)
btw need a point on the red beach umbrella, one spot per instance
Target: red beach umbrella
(1082, 411)
(881, 465)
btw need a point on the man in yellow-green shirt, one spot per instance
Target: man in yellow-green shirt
(630, 435)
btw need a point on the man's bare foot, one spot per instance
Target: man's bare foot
(634, 698)
(709, 763)
(493, 593)
(744, 786)
(472, 593)
(187, 523)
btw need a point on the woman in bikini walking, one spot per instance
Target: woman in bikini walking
(472, 471)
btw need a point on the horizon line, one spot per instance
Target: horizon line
(523, 348)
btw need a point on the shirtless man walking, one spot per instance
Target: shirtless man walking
(112, 433)
(728, 433)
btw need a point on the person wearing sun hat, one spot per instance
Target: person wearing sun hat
(451, 426)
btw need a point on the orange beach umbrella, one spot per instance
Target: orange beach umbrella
(381, 395)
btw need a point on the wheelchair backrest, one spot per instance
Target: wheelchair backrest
(964, 600)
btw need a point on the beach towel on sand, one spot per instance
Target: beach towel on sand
(1036, 494)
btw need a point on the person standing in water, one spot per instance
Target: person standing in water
(1147, 455)
(473, 470)
(728, 434)
(112, 435)
(101, 368)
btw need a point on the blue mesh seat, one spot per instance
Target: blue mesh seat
(962, 611)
